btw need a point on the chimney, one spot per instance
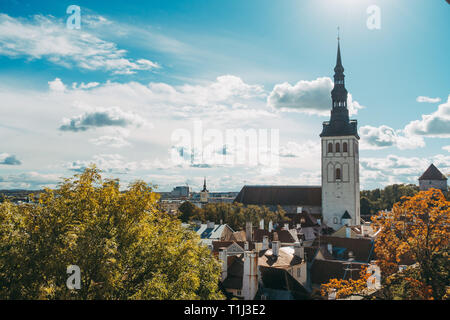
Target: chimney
(223, 256)
(275, 247)
(250, 277)
(348, 232)
(248, 231)
(246, 245)
(261, 224)
(265, 243)
(210, 224)
(270, 226)
(332, 295)
(258, 246)
(330, 248)
(299, 251)
(286, 226)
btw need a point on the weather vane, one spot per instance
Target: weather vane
(338, 34)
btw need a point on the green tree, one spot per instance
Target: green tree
(125, 247)
(236, 214)
(187, 211)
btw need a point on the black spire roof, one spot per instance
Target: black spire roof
(340, 123)
(346, 215)
(204, 186)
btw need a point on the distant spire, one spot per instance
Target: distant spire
(204, 185)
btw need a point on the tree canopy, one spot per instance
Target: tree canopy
(234, 214)
(415, 233)
(125, 247)
(373, 201)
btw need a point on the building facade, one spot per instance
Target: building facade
(340, 158)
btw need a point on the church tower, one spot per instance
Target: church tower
(204, 193)
(340, 158)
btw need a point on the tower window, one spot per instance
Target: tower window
(338, 174)
(330, 147)
(344, 147)
(338, 147)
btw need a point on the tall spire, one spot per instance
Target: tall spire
(339, 68)
(339, 123)
(339, 93)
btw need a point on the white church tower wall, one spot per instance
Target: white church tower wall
(340, 159)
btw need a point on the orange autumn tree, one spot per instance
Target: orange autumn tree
(344, 288)
(416, 230)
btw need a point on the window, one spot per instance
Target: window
(338, 174)
(299, 272)
(238, 293)
(338, 147)
(345, 147)
(335, 220)
(330, 147)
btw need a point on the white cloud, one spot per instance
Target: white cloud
(57, 85)
(44, 37)
(9, 159)
(110, 141)
(435, 125)
(428, 99)
(110, 163)
(85, 86)
(373, 138)
(311, 97)
(396, 169)
(446, 148)
(101, 117)
(29, 180)
(293, 149)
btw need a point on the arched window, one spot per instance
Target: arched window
(330, 147)
(338, 147)
(338, 174)
(344, 147)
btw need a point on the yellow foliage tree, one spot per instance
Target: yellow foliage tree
(125, 247)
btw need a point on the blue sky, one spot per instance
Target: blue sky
(114, 92)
